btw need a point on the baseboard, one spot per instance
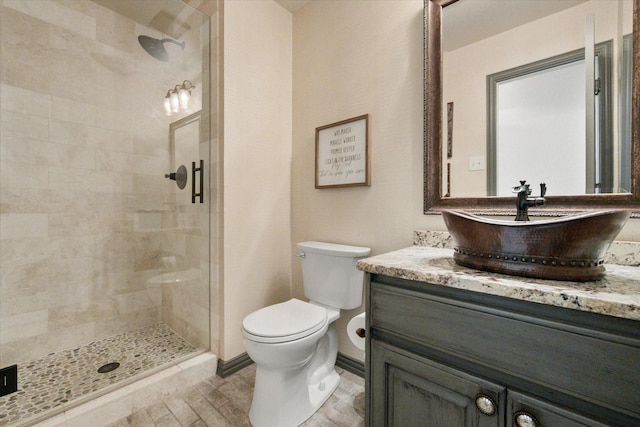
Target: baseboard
(350, 364)
(228, 367)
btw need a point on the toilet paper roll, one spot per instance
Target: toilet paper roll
(356, 329)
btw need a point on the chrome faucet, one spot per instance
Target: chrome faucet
(524, 201)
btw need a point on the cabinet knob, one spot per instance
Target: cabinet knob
(485, 404)
(524, 419)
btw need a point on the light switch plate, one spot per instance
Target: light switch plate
(476, 163)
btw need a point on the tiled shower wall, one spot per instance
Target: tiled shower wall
(84, 148)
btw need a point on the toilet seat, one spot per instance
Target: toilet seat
(284, 322)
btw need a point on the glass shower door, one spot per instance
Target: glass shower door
(88, 223)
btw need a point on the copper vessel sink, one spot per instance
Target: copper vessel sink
(565, 248)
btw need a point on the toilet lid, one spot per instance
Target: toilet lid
(285, 321)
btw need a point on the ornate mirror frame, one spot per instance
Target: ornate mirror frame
(434, 201)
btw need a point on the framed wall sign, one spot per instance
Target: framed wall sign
(342, 153)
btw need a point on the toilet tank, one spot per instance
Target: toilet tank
(330, 275)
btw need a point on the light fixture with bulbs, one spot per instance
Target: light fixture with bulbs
(178, 99)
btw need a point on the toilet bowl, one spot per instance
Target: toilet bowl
(294, 344)
(295, 374)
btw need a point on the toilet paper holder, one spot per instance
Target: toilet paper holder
(357, 331)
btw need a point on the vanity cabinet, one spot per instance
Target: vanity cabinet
(438, 356)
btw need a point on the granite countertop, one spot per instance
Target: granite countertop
(617, 294)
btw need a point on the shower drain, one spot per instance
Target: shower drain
(108, 367)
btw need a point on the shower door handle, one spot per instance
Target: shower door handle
(194, 170)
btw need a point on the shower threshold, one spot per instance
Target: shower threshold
(53, 383)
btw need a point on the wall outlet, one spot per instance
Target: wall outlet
(476, 163)
(8, 380)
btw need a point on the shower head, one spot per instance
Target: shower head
(155, 47)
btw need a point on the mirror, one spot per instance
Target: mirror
(462, 153)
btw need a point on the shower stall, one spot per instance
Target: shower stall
(105, 196)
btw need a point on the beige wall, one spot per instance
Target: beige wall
(349, 58)
(257, 162)
(353, 58)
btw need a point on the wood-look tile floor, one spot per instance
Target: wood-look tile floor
(225, 403)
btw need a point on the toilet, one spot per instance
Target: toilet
(294, 344)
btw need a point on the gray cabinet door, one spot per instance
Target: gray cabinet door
(545, 414)
(408, 391)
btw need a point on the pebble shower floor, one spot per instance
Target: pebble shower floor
(52, 381)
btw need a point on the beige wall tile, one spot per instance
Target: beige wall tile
(70, 247)
(56, 14)
(43, 200)
(20, 226)
(63, 132)
(71, 269)
(109, 139)
(32, 347)
(133, 301)
(127, 322)
(86, 7)
(115, 119)
(24, 101)
(22, 279)
(38, 153)
(17, 176)
(23, 325)
(21, 251)
(83, 150)
(67, 110)
(60, 293)
(66, 316)
(25, 51)
(115, 31)
(24, 125)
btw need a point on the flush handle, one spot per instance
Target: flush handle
(301, 255)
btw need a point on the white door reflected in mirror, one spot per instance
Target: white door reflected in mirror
(482, 38)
